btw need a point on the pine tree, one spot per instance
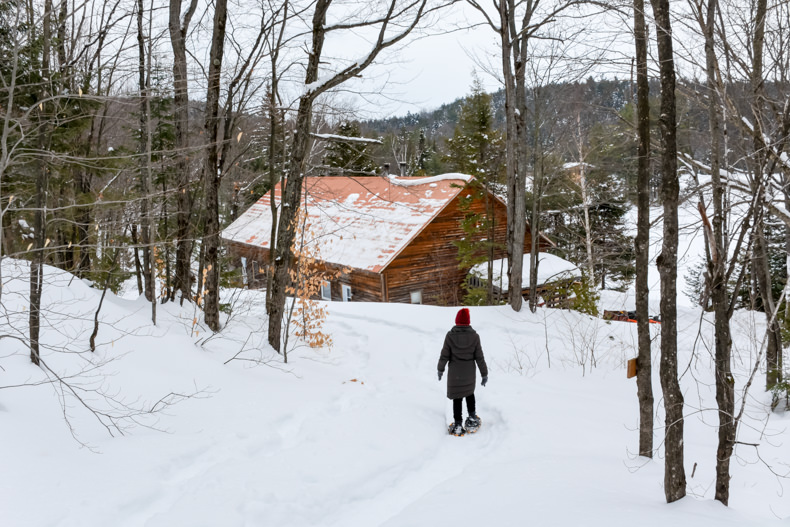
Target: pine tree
(598, 204)
(477, 149)
(351, 157)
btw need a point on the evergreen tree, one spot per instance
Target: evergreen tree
(349, 156)
(409, 153)
(477, 149)
(427, 162)
(608, 167)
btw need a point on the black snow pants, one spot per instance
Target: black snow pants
(470, 407)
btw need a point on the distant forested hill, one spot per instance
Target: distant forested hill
(609, 94)
(420, 139)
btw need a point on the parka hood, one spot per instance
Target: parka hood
(462, 336)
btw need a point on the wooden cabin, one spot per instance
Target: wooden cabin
(393, 237)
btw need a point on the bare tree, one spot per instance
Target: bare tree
(144, 152)
(403, 17)
(674, 471)
(276, 147)
(7, 145)
(179, 28)
(42, 184)
(219, 156)
(585, 195)
(717, 264)
(766, 142)
(517, 23)
(644, 368)
(773, 353)
(210, 177)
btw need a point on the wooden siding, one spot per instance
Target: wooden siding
(365, 285)
(430, 262)
(257, 259)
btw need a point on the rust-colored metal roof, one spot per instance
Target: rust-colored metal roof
(358, 222)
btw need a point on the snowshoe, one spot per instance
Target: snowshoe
(456, 429)
(472, 424)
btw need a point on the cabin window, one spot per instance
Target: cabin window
(346, 289)
(416, 297)
(254, 268)
(243, 270)
(326, 291)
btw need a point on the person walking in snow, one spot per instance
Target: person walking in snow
(462, 350)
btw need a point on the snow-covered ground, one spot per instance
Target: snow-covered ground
(356, 435)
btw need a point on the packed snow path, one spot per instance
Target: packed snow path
(356, 436)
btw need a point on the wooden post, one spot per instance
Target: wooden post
(631, 368)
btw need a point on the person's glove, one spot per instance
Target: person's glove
(485, 380)
(440, 375)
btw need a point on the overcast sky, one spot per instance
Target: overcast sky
(437, 66)
(439, 69)
(434, 66)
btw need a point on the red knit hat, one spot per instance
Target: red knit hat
(462, 318)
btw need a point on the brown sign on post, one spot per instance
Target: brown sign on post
(631, 368)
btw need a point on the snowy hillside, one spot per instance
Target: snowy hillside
(356, 435)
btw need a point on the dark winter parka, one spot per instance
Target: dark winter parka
(462, 350)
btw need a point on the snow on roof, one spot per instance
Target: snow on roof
(347, 139)
(359, 222)
(410, 182)
(575, 164)
(550, 268)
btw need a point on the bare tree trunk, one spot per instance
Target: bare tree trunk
(37, 264)
(110, 271)
(212, 179)
(168, 291)
(273, 179)
(674, 471)
(534, 256)
(144, 152)
(516, 23)
(537, 193)
(178, 32)
(489, 204)
(644, 367)
(42, 184)
(301, 142)
(585, 200)
(138, 268)
(275, 155)
(773, 352)
(293, 190)
(786, 190)
(4, 150)
(514, 73)
(717, 267)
